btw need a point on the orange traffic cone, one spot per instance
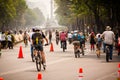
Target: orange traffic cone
(118, 77)
(80, 77)
(51, 48)
(20, 55)
(39, 76)
(1, 78)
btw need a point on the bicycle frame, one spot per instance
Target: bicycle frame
(38, 61)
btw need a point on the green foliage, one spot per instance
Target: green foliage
(97, 12)
(10, 11)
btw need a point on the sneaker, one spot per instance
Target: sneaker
(44, 64)
(110, 58)
(33, 60)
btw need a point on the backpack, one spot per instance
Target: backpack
(37, 38)
(75, 37)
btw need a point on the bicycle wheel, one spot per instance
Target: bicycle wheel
(107, 54)
(38, 63)
(63, 46)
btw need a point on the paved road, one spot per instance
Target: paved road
(60, 65)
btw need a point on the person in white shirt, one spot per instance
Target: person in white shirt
(30, 40)
(9, 39)
(70, 34)
(109, 38)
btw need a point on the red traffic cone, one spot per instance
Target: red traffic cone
(39, 76)
(1, 78)
(20, 55)
(80, 77)
(51, 48)
(118, 77)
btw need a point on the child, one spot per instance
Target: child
(98, 45)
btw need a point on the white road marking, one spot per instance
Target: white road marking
(27, 68)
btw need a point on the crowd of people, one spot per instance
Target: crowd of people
(9, 38)
(98, 41)
(36, 39)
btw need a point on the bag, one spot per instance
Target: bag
(75, 37)
(37, 38)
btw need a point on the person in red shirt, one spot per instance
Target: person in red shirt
(63, 38)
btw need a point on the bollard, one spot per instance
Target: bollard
(80, 77)
(118, 77)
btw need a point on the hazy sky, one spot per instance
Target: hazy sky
(44, 5)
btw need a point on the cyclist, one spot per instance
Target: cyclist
(63, 38)
(109, 38)
(37, 40)
(25, 37)
(76, 40)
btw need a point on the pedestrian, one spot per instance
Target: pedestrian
(50, 36)
(92, 41)
(31, 45)
(98, 44)
(9, 39)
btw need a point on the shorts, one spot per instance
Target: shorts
(38, 47)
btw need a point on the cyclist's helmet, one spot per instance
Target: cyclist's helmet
(75, 31)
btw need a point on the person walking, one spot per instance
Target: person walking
(50, 36)
(92, 41)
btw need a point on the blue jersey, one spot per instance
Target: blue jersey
(76, 37)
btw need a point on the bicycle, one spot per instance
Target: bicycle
(107, 51)
(39, 61)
